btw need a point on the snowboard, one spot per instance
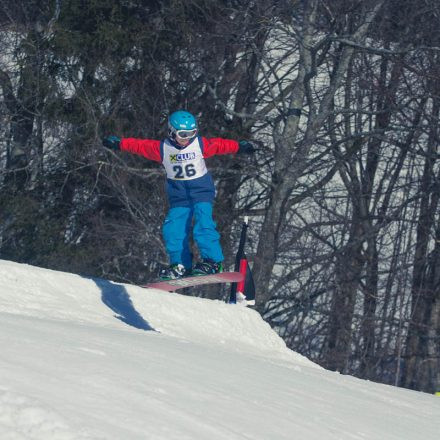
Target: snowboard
(196, 280)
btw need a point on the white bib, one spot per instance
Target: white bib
(185, 164)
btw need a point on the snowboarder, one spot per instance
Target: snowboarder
(190, 190)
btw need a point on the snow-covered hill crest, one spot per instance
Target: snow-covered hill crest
(47, 294)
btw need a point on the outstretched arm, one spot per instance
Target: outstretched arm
(148, 148)
(214, 146)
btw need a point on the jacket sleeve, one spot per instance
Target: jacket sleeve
(148, 148)
(214, 146)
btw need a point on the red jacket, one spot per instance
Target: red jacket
(183, 192)
(151, 149)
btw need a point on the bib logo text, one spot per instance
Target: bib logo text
(182, 157)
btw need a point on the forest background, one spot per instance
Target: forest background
(342, 100)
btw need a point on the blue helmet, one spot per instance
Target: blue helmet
(182, 124)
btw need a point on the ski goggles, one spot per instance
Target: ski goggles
(186, 134)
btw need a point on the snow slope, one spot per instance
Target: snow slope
(90, 359)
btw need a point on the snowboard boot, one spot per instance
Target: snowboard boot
(207, 267)
(173, 272)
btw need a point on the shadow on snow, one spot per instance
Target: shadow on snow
(116, 297)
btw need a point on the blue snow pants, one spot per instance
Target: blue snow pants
(177, 230)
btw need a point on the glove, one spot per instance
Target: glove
(111, 142)
(245, 147)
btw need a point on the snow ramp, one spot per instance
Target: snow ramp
(36, 292)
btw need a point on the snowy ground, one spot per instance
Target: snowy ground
(89, 359)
